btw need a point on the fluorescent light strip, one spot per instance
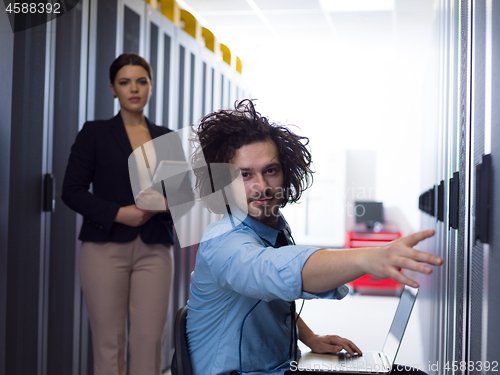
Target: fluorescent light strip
(263, 18)
(328, 19)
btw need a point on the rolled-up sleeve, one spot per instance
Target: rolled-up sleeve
(243, 264)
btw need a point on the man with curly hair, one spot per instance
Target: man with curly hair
(248, 272)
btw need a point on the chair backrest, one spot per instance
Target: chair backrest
(181, 363)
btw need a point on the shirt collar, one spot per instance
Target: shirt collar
(264, 231)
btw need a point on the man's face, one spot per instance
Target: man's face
(263, 180)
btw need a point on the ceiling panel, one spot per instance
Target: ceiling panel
(287, 4)
(249, 31)
(370, 19)
(365, 21)
(357, 5)
(414, 6)
(217, 5)
(233, 20)
(303, 31)
(294, 19)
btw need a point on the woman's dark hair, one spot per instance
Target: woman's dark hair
(128, 59)
(222, 133)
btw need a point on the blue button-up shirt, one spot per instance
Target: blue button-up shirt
(237, 265)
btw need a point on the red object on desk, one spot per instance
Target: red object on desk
(372, 239)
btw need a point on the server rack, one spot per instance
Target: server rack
(458, 300)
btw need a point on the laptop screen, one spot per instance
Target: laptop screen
(398, 326)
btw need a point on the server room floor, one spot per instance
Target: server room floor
(365, 320)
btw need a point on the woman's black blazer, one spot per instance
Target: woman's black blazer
(99, 157)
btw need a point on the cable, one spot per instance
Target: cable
(293, 343)
(241, 331)
(294, 325)
(301, 307)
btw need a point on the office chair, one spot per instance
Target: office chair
(181, 363)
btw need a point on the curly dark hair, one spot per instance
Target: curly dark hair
(220, 134)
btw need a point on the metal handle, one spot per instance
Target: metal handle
(49, 198)
(483, 200)
(454, 200)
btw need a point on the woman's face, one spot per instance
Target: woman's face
(132, 87)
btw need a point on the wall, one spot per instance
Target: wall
(356, 92)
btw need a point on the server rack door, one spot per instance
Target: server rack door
(154, 55)
(225, 85)
(102, 52)
(208, 62)
(458, 280)
(6, 64)
(189, 82)
(183, 80)
(230, 93)
(28, 225)
(159, 32)
(188, 88)
(492, 145)
(227, 94)
(131, 31)
(64, 318)
(212, 88)
(168, 71)
(476, 256)
(437, 304)
(234, 86)
(223, 89)
(448, 47)
(217, 87)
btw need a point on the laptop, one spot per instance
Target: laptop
(371, 362)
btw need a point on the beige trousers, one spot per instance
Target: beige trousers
(115, 276)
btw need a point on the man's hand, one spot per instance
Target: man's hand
(324, 344)
(332, 344)
(133, 216)
(328, 269)
(151, 200)
(385, 262)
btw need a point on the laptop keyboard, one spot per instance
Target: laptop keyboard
(369, 361)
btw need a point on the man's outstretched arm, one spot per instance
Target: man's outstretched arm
(328, 269)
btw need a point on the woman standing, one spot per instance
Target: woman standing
(126, 260)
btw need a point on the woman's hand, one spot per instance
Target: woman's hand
(332, 344)
(151, 200)
(133, 216)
